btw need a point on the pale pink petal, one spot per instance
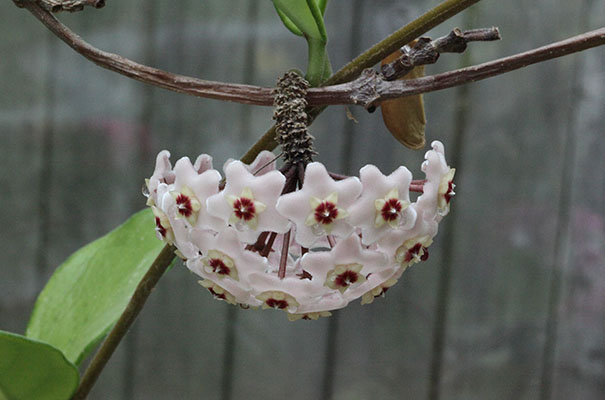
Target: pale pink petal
(377, 186)
(318, 184)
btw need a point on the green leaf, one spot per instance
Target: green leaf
(299, 14)
(30, 369)
(288, 23)
(322, 4)
(319, 5)
(305, 17)
(318, 16)
(88, 292)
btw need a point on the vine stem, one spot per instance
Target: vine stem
(442, 12)
(132, 310)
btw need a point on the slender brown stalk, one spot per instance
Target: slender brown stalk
(142, 292)
(284, 255)
(269, 246)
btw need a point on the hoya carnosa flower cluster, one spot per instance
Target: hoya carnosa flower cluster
(306, 245)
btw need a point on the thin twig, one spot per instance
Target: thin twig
(370, 88)
(426, 51)
(143, 290)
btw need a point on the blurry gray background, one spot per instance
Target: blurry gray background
(511, 303)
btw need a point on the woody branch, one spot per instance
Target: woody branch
(367, 90)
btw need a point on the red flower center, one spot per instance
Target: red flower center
(391, 209)
(450, 192)
(414, 251)
(219, 267)
(346, 279)
(244, 208)
(217, 295)
(280, 304)
(159, 228)
(183, 205)
(326, 212)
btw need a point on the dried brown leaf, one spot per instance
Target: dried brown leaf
(404, 117)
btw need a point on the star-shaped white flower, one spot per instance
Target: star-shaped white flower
(308, 316)
(191, 190)
(184, 201)
(380, 290)
(248, 202)
(384, 203)
(162, 174)
(220, 264)
(224, 261)
(303, 291)
(348, 269)
(425, 227)
(413, 251)
(187, 204)
(163, 228)
(218, 292)
(433, 202)
(178, 234)
(226, 244)
(277, 300)
(202, 163)
(445, 192)
(362, 240)
(320, 207)
(324, 213)
(245, 209)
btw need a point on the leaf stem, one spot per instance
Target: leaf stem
(317, 61)
(318, 56)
